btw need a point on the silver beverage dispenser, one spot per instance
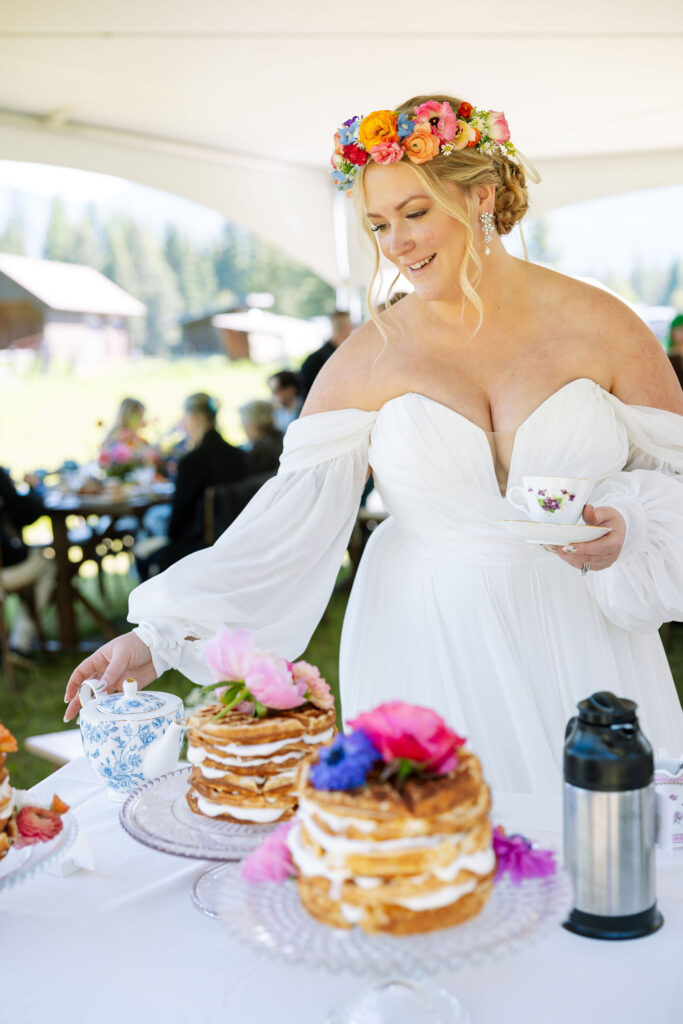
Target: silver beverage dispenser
(609, 821)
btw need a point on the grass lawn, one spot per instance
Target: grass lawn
(38, 706)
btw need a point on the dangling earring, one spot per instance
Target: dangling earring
(486, 219)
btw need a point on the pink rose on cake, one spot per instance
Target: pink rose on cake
(407, 732)
(316, 689)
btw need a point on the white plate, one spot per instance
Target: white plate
(553, 533)
(19, 865)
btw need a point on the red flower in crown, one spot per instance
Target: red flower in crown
(355, 154)
(465, 109)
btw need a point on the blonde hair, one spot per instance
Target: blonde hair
(468, 169)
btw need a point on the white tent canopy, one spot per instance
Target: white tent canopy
(235, 105)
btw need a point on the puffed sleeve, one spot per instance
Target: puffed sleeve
(274, 568)
(644, 587)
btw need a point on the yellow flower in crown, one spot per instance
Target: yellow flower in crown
(380, 126)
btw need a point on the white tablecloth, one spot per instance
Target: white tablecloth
(124, 943)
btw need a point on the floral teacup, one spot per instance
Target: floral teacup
(553, 499)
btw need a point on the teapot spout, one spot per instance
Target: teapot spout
(162, 756)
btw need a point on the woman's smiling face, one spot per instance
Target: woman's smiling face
(421, 240)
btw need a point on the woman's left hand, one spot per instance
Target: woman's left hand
(603, 552)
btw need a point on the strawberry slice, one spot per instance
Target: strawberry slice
(37, 825)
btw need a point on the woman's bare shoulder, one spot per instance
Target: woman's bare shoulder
(347, 381)
(603, 324)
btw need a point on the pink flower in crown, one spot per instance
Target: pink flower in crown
(440, 117)
(387, 152)
(400, 730)
(337, 144)
(229, 654)
(272, 860)
(498, 127)
(316, 688)
(269, 681)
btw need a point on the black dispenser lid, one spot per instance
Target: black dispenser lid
(604, 708)
(604, 748)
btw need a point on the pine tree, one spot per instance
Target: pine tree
(12, 238)
(60, 241)
(90, 247)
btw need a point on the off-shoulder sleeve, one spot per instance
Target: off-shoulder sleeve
(644, 587)
(274, 568)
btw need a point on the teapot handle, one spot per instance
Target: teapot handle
(91, 689)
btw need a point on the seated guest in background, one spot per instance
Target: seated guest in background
(126, 426)
(211, 461)
(676, 346)
(284, 387)
(22, 565)
(311, 367)
(265, 440)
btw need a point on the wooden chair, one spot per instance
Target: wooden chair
(26, 596)
(224, 502)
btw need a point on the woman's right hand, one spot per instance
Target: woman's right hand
(125, 656)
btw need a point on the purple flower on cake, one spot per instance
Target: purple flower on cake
(272, 860)
(345, 763)
(517, 856)
(407, 732)
(316, 689)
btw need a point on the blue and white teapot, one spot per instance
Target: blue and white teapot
(130, 737)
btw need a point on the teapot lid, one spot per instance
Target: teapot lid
(604, 708)
(131, 703)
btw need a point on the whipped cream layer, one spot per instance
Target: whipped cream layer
(250, 750)
(339, 846)
(480, 863)
(262, 815)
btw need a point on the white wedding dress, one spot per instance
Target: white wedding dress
(449, 610)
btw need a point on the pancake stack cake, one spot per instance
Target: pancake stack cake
(8, 745)
(246, 749)
(393, 831)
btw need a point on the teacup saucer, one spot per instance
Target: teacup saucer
(553, 533)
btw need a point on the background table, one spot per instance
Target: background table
(125, 943)
(59, 507)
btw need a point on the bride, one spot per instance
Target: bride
(493, 368)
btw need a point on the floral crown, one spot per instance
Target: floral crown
(386, 137)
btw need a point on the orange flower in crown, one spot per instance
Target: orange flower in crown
(422, 145)
(380, 126)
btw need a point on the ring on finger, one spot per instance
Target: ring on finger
(585, 568)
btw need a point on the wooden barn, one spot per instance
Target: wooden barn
(64, 312)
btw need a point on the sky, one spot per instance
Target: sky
(600, 237)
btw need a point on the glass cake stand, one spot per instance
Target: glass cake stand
(270, 917)
(158, 815)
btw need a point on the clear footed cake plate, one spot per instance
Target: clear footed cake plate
(158, 815)
(270, 917)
